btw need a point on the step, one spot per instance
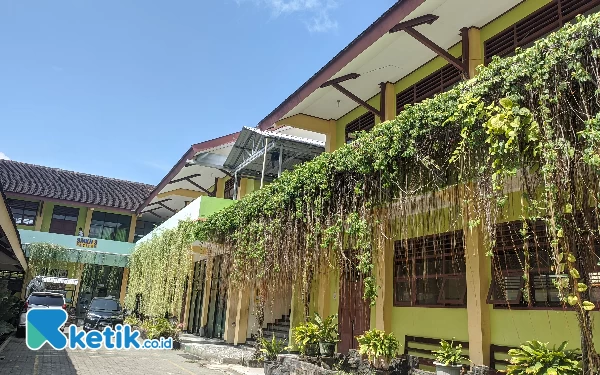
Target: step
(268, 334)
(275, 327)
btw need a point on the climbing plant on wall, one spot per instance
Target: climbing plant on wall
(530, 121)
(159, 268)
(43, 257)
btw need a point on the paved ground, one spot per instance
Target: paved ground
(19, 360)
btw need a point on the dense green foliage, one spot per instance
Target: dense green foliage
(535, 358)
(448, 354)
(271, 348)
(306, 337)
(327, 328)
(159, 268)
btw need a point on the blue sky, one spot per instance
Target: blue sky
(122, 88)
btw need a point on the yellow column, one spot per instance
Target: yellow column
(206, 297)
(475, 51)
(124, 282)
(297, 311)
(390, 102)
(242, 188)
(231, 314)
(78, 277)
(324, 290)
(478, 312)
(242, 314)
(88, 222)
(132, 228)
(39, 218)
(384, 279)
(331, 136)
(220, 188)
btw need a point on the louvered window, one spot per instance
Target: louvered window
(229, 189)
(522, 254)
(430, 271)
(364, 123)
(435, 83)
(543, 21)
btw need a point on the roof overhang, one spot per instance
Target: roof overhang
(186, 181)
(259, 153)
(377, 56)
(12, 257)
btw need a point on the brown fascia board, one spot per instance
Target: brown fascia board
(193, 150)
(379, 28)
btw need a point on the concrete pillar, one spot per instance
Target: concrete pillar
(39, 217)
(242, 315)
(475, 51)
(297, 308)
(77, 287)
(385, 280)
(390, 102)
(132, 228)
(231, 314)
(220, 188)
(331, 136)
(478, 312)
(88, 222)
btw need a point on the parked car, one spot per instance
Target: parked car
(39, 300)
(103, 312)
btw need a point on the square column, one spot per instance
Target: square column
(242, 314)
(385, 281)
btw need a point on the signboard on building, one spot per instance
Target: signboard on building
(87, 242)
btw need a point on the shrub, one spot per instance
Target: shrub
(327, 329)
(270, 349)
(304, 335)
(535, 358)
(449, 355)
(379, 348)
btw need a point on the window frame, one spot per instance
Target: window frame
(411, 259)
(126, 225)
(18, 204)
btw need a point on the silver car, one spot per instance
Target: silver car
(39, 300)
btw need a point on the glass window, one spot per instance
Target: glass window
(46, 300)
(142, 228)
(23, 212)
(430, 271)
(105, 305)
(108, 226)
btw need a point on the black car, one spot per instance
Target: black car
(103, 312)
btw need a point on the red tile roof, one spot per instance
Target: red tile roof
(53, 183)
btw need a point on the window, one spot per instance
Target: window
(104, 304)
(364, 123)
(109, 226)
(23, 212)
(512, 267)
(430, 271)
(142, 228)
(536, 25)
(435, 83)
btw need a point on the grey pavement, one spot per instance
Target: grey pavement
(19, 360)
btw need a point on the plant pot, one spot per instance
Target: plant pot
(327, 349)
(176, 345)
(311, 350)
(441, 369)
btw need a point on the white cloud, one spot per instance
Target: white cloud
(316, 13)
(3, 156)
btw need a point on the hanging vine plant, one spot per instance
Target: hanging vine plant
(531, 120)
(44, 257)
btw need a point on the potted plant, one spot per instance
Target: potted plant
(535, 358)
(378, 347)
(448, 359)
(270, 350)
(327, 333)
(306, 337)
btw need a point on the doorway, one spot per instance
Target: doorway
(354, 313)
(64, 220)
(218, 299)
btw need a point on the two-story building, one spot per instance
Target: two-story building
(413, 51)
(91, 219)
